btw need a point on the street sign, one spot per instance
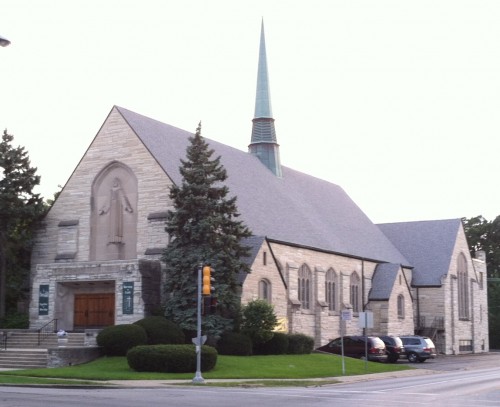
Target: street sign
(365, 319)
(203, 340)
(346, 314)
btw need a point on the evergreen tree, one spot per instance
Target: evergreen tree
(20, 208)
(203, 227)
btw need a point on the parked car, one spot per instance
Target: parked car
(395, 348)
(418, 348)
(355, 347)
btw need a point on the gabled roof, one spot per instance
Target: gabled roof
(383, 281)
(296, 209)
(428, 245)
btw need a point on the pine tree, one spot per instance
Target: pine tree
(20, 209)
(203, 227)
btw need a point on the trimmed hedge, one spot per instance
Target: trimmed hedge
(235, 344)
(170, 358)
(277, 345)
(161, 330)
(299, 344)
(116, 340)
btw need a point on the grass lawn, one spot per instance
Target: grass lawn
(299, 367)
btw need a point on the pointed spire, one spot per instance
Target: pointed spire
(264, 144)
(263, 98)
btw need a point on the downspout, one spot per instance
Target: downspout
(418, 307)
(452, 315)
(473, 325)
(363, 285)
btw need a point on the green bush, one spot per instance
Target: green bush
(277, 345)
(116, 340)
(235, 344)
(170, 358)
(300, 344)
(258, 321)
(15, 321)
(161, 330)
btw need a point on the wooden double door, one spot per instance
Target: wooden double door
(94, 310)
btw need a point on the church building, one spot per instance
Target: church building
(316, 257)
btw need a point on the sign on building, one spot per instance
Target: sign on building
(43, 300)
(128, 297)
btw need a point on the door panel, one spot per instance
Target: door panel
(94, 310)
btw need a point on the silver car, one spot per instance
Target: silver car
(418, 348)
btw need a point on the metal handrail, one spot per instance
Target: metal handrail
(46, 330)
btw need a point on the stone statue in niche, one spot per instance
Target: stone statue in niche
(116, 206)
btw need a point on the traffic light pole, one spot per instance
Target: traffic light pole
(198, 378)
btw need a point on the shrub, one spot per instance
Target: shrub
(116, 340)
(234, 343)
(259, 320)
(160, 330)
(277, 345)
(15, 320)
(170, 358)
(299, 344)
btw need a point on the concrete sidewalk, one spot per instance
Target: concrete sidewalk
(251, 382)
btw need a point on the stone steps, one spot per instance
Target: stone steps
(29, 340)
(22, 351)
(23, 359)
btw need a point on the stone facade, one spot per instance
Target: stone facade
(320, 320)
(438, 307)
(96, 263)
(74, 252)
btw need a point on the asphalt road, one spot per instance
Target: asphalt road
(446, 381)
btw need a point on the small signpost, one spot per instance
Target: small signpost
(346, 315)
(365, 321)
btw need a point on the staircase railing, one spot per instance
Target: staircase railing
(46, 330)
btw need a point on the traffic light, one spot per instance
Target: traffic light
(209, 304)
(213, 304)
(207, 280)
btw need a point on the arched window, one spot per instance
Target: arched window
(463, 287)
(305, 287)
(401, 306)
(331, 290)
(265, 290)
(354, 292)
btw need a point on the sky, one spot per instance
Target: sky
(395, 101)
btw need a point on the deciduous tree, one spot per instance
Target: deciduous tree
(485, 235)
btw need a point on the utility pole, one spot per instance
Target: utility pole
(198, 378)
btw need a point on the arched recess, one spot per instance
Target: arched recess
(331, 289)
(304, 286)
(113, 233)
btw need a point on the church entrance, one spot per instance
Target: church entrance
(95, 310)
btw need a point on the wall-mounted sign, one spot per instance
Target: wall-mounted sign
(128, 297)
(43, 299)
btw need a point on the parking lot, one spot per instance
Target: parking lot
(449, 363)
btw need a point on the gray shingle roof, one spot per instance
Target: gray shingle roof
(383, 281)
(297, 209)
(428, 245)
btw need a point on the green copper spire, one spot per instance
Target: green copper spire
(263, 98)
(264, 144)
